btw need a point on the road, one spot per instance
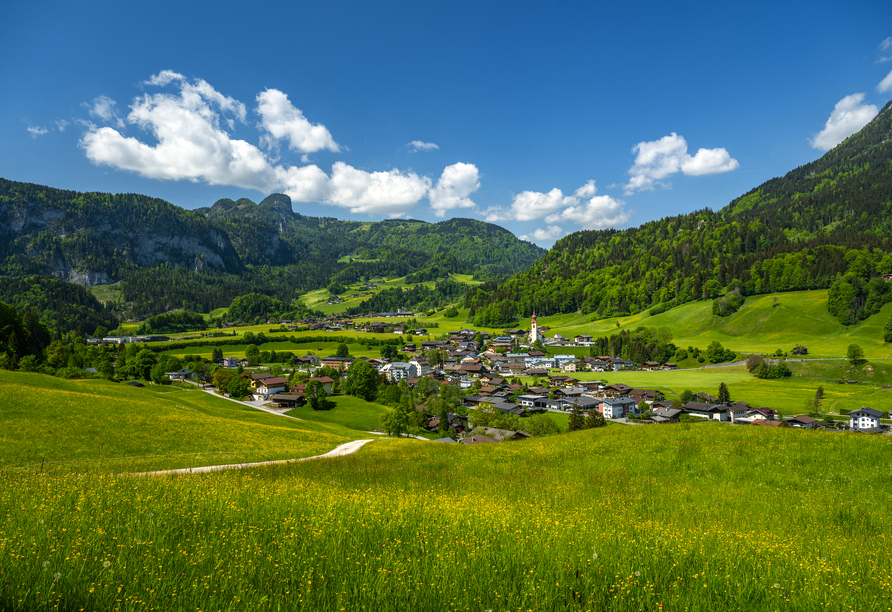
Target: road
(339, 451)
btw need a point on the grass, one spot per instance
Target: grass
(347, 411)
(799, 317)
(94, 425)
(321, 349)
(707, 518)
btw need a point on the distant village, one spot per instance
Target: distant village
(483, 366)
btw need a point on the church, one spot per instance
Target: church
(535, 334)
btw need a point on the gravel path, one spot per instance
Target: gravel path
(340, 451)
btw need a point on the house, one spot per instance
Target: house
(666, 415)
(500, 435)
(326, 383)
(711, 411)
(478, 439)
(648, 395)
(398, 370)
(738, 411)
(864, 418)
(617, 407)
(337, 362)
(767, 423)
(669, 366)
(802, 422)
(266, 387)
(529, 401)
(766, 414)
(422, 366)
(583, 340)
(650, 366)
(287, 400)
(230, 362)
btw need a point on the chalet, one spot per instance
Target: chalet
(567, 393)
(477, 439)
(257, 377)
(802, 422)
(766, 414)
(266, 387)
(669, 366)
(666, 415)
(617, 407)
(647, 395)
(864, 418)
(706, 398)
(650, 366)
(711, 411)
(616, 390)
(738, 411)
(583, 340)
(230, 362)
(473, 369)
(536, 372)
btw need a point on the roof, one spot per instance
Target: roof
(478, 440)
(868, 411)
(273, 381)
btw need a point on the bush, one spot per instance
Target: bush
(753, 362)
(452, 312)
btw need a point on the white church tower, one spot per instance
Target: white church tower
(534, 329)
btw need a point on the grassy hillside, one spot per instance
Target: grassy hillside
(95, 425)
(347, 411)
(704, 517)
(800, 317)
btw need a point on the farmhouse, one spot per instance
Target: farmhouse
(864, 418)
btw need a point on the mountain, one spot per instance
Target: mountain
(166, 257)
(825, 224)
(271, 233)
(92, 238)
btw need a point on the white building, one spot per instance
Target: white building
(398, 370)
(864, 418)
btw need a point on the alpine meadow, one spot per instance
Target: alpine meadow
(469, 308)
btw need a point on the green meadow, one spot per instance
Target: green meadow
(346, 411)
(688, 517)
(760, 326)
(90, 425)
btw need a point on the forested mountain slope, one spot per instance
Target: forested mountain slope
(271, 233)
(825, 223)
(91, 238)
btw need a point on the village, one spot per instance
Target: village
(487, 373)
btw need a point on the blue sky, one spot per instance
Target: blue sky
(543, 119)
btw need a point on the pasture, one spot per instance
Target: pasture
(705, 517)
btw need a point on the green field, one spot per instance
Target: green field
(347, 411)
(699, 518)
(799, 317)
(92, 425)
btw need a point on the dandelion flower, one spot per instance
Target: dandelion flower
(637, 573)
(57, 575)
(106, 563)
(46, 563)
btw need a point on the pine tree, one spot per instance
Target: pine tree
(724, 394)
(576, 419)
(594, 419)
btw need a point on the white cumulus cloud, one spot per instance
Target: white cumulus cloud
(659, 159)
(36, 131)
(457, 182)
(885, 50)
(583, 207)
(193, 143)
(417, 145)
(103, 108)
(886, 84)
(849, 115)
(283, 121)
(391, 193)
(552, 232)
(598, 212)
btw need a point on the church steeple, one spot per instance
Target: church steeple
(534, 329)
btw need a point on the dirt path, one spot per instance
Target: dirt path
(340, 451)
